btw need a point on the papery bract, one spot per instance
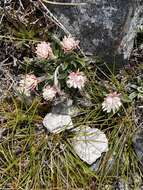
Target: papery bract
(69, 43)
(49, 92)
(76, 80)
(44, 50)
(112, 102)
(27, 84)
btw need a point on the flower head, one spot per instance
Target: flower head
(112, 102)
(27, 84)
(69, 43)
(76, 79)
(49, 92)
(44, 50)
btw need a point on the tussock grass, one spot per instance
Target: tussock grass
(32, 158)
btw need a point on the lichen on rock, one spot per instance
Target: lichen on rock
(105, 28)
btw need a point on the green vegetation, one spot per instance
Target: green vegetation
(32, 158)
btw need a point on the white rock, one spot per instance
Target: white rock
(89, 144)
(56, 123)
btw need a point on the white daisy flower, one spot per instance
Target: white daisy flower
(44, 50)
(69, 43)
(112, 102)
(49, 92)
(76, 80)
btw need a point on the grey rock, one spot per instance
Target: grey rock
(89, 143)
(129, 183)
(84, 102)
(109, 165)
(105, 28)
(66, 107)
(57, 123)
(122, 185)
(95, 165)
(138, 144)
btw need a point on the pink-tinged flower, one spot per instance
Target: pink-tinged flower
(112, 102)
(49, 92)
(44, 50)
(30, 81)
(27, 84)
(69, 43)
(76, 79)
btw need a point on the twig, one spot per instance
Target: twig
(2, 62)
(19, 39)
(20, 2)
(1, 19)
(66, 4)
(50, 15)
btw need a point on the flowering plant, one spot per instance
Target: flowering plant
(112, 102)
(63, 73)
(69, 43)
(44, 50)
(27, 84)
(76, 80)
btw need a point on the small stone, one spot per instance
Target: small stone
(122, 185)
(138, 144)
(89, 143)
(95, 165)
(56, 123)
(66, 108)
(84, 102)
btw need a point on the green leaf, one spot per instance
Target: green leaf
(140, 89)
(133, 95)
